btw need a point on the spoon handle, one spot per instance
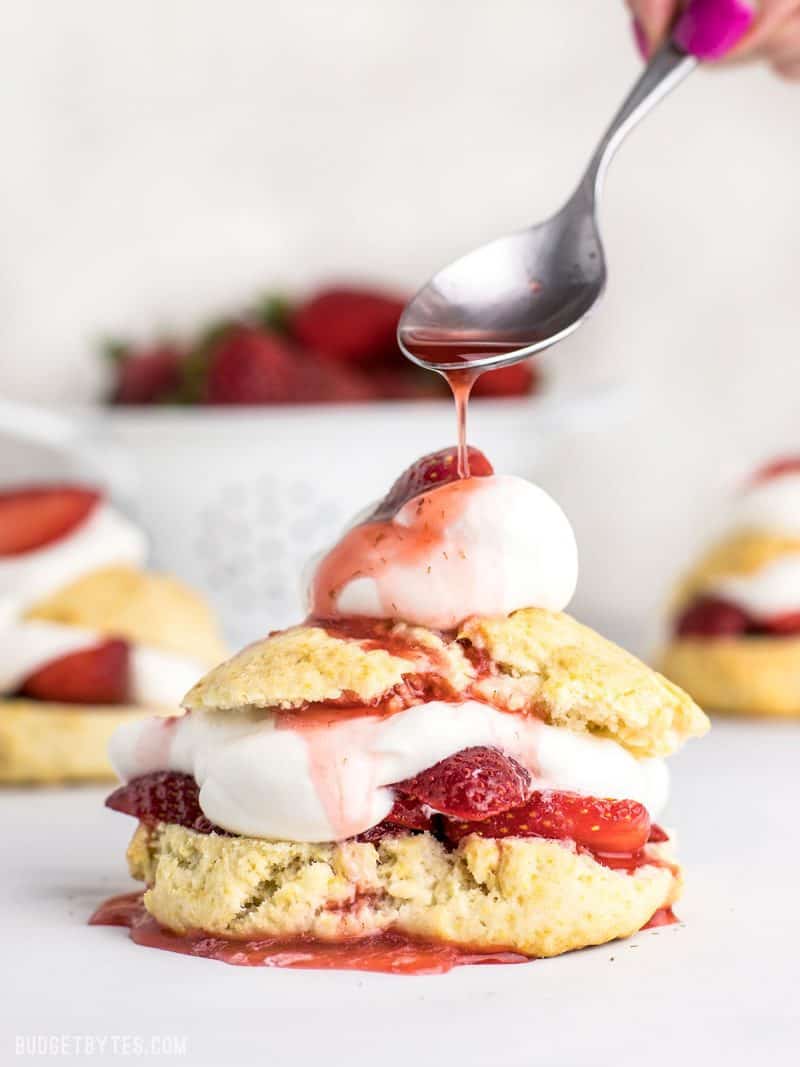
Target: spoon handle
(668, 67)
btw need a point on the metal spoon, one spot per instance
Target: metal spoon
(520, 294)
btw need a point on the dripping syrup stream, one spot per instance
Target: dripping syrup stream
(461, 383)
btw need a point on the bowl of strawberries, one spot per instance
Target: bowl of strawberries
(337, 346)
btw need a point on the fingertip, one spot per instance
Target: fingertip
(640, 38)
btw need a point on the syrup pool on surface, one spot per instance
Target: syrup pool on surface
(389, 953)
(663, 917)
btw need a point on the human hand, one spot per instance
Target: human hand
(773, 36)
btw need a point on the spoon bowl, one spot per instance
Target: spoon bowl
(519, 294)
(510, 298)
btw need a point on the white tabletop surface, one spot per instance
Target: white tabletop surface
(721, 987)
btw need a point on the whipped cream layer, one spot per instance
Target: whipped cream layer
(301, 777)
(477, 546)
(771, 591)
(105, 538)
(772, 505)
(157, 678)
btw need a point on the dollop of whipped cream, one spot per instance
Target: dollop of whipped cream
(476, 546)
(770, 504)
(771, 591)
(105, 538)
(297, 777)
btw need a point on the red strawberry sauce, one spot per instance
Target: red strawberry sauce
(389, 953)
(375, 548)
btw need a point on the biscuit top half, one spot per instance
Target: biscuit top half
(139, 606)
(532, 662)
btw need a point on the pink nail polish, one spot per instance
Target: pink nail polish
(710, 28)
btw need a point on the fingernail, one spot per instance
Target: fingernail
(641, 39)
(710, 28)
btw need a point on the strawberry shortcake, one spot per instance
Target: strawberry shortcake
(735, 621)
(438, 766)
(88, 639)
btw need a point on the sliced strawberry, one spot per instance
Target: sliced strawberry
(147, 376)
(33, 517)
(251, 366)
(163, 796)
(517, 380)
(409, 813)
(778, 467)
(99, 675)
(406, 814)
(600, 825)
(782, 625)
(350, 325)
(710, 617)
(657, 834)
(473, 784)
(429, 472)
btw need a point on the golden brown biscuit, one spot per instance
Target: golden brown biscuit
(545, 663)
(51, 742)
(531, 895)
(307, 665)
(741, 675)
(575, 678)
(43, 742)
(151, 609)
(753, 674)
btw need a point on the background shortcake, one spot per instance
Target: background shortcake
(735, 620)
(88, 639)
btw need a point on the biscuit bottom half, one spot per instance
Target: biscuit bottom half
(530, 896)
(47, 743)
(747, 675)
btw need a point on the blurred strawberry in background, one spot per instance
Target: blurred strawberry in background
(337, 346)
(146, 375)
(349, 325)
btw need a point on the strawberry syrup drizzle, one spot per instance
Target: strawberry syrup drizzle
(464, 348)
(341, 763)
(461, 383)
(389, 953)
(383, 550)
